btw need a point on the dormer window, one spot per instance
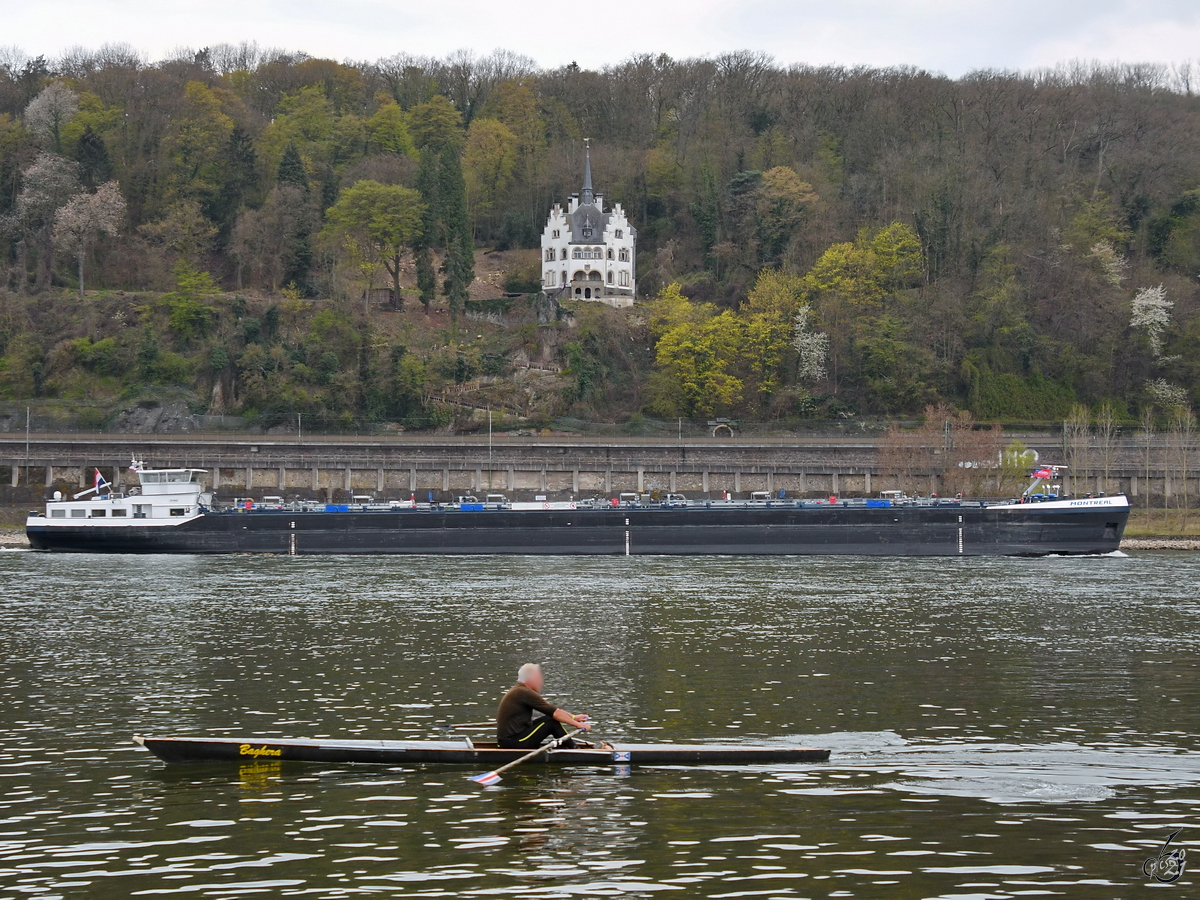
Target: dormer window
(587, 226)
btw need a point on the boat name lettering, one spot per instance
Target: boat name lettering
(1099, 502)
(250, 750)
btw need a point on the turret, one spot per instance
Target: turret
(587, 197)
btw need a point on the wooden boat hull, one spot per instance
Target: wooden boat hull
(479, 754)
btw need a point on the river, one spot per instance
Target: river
(999, 727)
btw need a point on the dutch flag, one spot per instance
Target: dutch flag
(101, 484)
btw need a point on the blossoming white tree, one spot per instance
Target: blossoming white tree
(1152, 311)
(812, 347)
(1166, 395)
(46, 186)
(86, 216)
(1112, 263)
(49, 111)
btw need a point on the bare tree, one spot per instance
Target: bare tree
(245, 57)
(1106, 434)
(183, 229)
(12, 59)
(85, 217)
(1183, 437)
(1147, 436)
(963, 457)
(1077, 444)
(902, 456)
(974, 464)
(269, 240)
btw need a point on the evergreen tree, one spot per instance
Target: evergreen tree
(240, 169)
(329, 189)
(456, 230)
(426, 233)
(95, 166)
(291, 169)
(292, 174)
(426, 275)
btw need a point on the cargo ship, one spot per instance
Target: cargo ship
(170, 512)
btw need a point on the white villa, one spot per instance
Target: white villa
(587, 253)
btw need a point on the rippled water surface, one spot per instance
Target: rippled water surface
(1000, 728)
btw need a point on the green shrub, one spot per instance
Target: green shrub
(102, 357)
(170, 368)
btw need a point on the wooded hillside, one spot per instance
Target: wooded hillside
(820, 241)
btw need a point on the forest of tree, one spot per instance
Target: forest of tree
(813, 242)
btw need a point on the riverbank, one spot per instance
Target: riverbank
(1160, 543)
(13, 537)
(1163, 524)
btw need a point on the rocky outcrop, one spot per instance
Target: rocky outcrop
(172, 417)
(1160, 543)
(156, 418)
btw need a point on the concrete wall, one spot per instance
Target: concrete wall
(520, 467)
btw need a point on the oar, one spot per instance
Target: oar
(494, 776)
(470, 725)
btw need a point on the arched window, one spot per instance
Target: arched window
(564, 253)
(564, 275)
(577, 254)
(610, 278)
(624, 254)
(610, 252)
(579, 276)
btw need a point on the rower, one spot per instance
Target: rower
(515, 728)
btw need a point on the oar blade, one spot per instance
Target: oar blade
(494, 776)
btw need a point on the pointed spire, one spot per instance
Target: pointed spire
(587, 196)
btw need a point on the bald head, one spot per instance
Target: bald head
(530, 675)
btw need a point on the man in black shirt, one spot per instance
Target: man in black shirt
(515, 727)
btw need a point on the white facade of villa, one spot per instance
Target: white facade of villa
(588, 253)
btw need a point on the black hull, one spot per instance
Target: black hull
(484, 757)
(902, 531)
